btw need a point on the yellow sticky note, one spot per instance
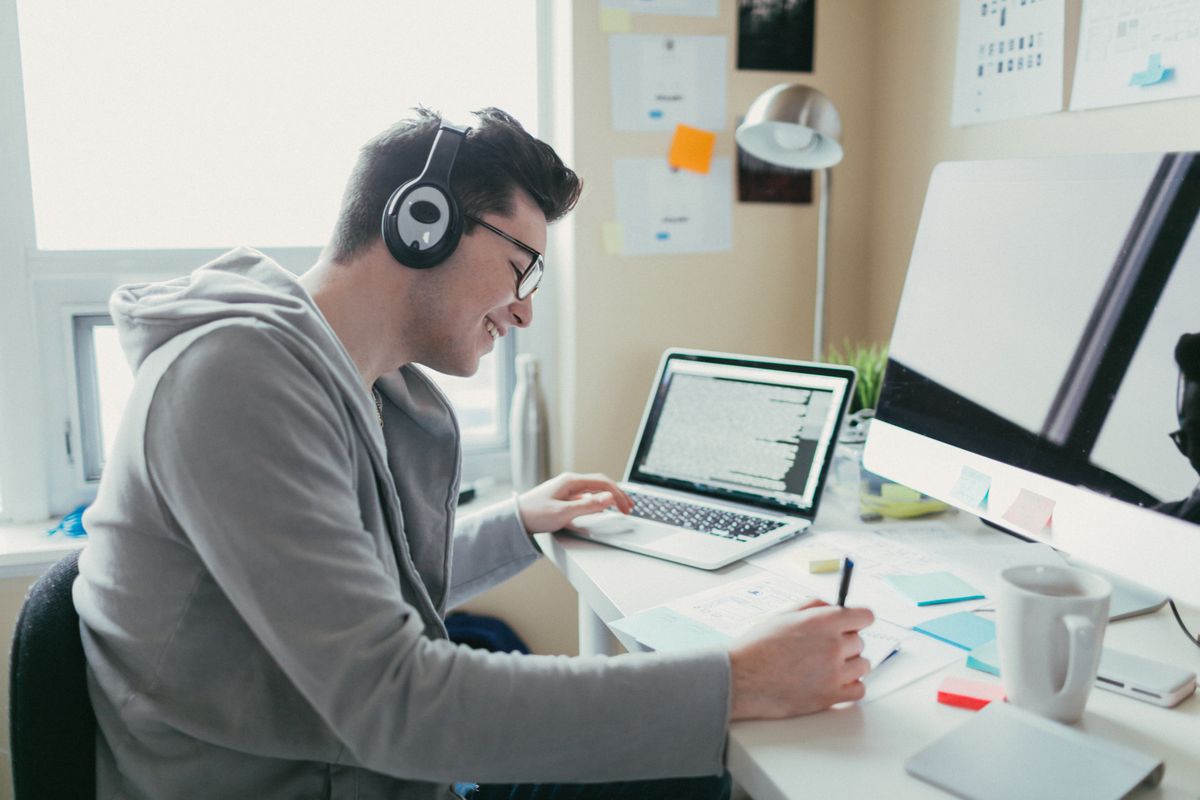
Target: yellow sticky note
(820, 562)
(614, 238)
(895, 493)
(692, 149)
(614, 20)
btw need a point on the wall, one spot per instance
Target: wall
(620, 313)
(913, 83)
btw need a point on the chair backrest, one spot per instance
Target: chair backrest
(52, 726)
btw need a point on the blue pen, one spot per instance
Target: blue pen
(847, 571)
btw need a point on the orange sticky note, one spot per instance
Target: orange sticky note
(692, 149)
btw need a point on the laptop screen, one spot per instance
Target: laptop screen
(755, 431)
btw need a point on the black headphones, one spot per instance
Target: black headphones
(421, 221)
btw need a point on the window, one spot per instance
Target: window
(103, 381)
(155, 136)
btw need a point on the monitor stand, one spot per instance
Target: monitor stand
(1129, 599)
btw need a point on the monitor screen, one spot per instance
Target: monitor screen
(1044, 342)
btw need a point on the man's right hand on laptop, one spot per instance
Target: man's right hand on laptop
(799, 662)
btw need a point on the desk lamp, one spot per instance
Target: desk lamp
(795, 126)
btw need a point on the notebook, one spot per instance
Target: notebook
(730, 458)
(1003, 752)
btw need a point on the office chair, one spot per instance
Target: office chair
(52, 727)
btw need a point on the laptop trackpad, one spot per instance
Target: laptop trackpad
(607, 526)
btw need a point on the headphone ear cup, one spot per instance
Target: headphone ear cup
(421, 224)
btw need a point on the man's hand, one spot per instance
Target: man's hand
(799, 662)
(554, 504)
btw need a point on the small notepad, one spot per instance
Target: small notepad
(964, 629)
(1003, 752)
(934, 588)
(985, 658)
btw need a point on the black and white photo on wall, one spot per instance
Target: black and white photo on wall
(776, 35)
(762, 182)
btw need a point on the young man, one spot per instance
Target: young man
(274, 543)
(1187, 408)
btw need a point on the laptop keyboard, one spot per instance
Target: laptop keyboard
(703, 519)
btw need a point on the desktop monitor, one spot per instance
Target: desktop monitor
(1032, 376)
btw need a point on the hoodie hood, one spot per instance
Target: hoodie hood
(242, 283)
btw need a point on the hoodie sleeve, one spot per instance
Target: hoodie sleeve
(250, 456)
(490, 546)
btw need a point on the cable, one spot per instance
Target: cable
(1193, 639)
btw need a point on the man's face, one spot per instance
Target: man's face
(1189, 421)
(470, 300)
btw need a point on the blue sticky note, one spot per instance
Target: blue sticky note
(1153, 73)
(985, 658)
(934, 588)
(664, 630)
(964, 629)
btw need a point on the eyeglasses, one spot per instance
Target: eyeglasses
(1180, 439)
(527, 281)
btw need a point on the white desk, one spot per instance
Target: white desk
(860, 751)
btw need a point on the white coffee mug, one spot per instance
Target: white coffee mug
(1050, 632)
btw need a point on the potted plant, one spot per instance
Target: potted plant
(877, 496)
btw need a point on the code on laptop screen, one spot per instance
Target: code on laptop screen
(745, 432)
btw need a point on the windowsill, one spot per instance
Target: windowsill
(25, 549)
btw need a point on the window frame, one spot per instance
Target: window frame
(41, 455)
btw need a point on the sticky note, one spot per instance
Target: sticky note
(820, 562)
(966, 693)
(964, 629)
(934, 588)
(692, 149)
(614, 237)
(614, 20)
(971, 488)
(895, 493)
(1153, 73)
(1030, 511)
(985, 658)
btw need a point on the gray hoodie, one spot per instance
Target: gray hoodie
(262, 596)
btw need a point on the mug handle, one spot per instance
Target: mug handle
(1079, 628)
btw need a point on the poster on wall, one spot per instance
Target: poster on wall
(679, 8)
(662, 211)
(658, 82)
(762, 182)
(1009, 60)
(776, 35)
(1136, 51)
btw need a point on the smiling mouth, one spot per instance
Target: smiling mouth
(491, 328)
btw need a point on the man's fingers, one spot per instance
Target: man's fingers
(584, 484)
(815, 602)
(855, 619)
(851, 692)
(592, 502)
(856, 668)
(852, 645)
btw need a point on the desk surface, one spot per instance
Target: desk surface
(859, 751)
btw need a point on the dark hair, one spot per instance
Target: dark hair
(1187, 356)
(497, 157)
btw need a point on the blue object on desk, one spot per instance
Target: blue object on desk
(934, 588)
(985, 658)
(71, 524)
(963, 629)
(1154, 72)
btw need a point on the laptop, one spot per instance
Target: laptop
(731, 457)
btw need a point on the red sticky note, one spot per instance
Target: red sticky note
(692, 149)
(1030, 511)
(970, 694)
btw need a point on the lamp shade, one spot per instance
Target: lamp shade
(794, 126)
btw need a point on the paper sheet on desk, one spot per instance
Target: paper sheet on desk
(717, 616)
(901, 549)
